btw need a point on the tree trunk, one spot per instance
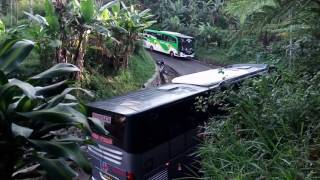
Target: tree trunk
(4, 8)
(11, 13)
(61, 55)
(79, 58)
(16, 11)
(31, 6)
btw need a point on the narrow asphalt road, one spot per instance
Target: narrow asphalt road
(182, 66)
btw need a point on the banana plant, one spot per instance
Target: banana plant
(35, 115)
(2, 27)
(65, 28)
(125, 24)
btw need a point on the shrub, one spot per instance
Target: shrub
(35, 114)
(271, 131)
(105, 85)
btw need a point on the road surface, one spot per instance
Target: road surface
(182, 66)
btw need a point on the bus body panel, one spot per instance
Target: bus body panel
(161, 46)
(162, 161)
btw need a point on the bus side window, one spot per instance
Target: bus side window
(165, 37)
(172, 39)
(154, 35)
(159, 36)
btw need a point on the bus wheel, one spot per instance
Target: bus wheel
(151, 48)
(171, 54)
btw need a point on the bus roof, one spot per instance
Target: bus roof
(217, 76)
(182, 87)
(147, 99)
(170, 33)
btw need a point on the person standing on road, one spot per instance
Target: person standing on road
(162, 73)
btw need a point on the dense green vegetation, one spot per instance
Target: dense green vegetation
(271, 127)
(75, 45)
(89, 34)
(35, 113)
(141, 68)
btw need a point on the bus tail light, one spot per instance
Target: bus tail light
(179, 167)
(130, 176)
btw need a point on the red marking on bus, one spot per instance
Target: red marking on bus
(103, 118)
(101, 138)
(106, 140)
(95, 136)
(118, 171)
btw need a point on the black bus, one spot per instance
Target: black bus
(154, 131)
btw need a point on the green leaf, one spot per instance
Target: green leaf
(51, 16)
(115, 8)
(57, 168)
(25, 170)
(143, 13)
(12, 57)
(70, 97)
(58, 114)
(108, 5)
(75, 5)
(26, 88)
(68, 150)
(123, 5)
(70, 138)
(7, 45)
(38, 133)
(49, 8)
(39, 19)
(2, 27)
(87, 10)
(25, 104)
(58, 99)
(57, 70)
(105, 15)
(51, 90)
(3, 78)
(20, 130)
(97, 125)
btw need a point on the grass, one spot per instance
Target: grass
(213, 55)
(219, 56)
(270, 131)
(141, 68)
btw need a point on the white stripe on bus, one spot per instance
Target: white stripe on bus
(110, 150)
(104, 157)
(107, 154)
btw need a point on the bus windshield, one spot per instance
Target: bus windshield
(187, 45)
(187, 42)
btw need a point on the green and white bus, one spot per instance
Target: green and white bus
(172, 43)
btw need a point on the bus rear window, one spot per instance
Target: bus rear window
(115, 125)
